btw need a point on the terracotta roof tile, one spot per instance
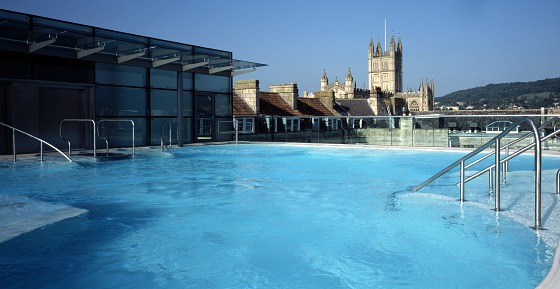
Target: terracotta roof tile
(313, 106)
(272, 103)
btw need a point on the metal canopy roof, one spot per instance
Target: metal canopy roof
(33, 34)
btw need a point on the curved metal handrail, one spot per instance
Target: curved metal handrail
(508, 145)
(78, 120)
(496, 141)
(31, 136)
(509, 157)
(115, 120)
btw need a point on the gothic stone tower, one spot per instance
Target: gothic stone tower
(385, 67)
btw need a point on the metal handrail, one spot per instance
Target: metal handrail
(116, 120)
(508, 145)
(31, 136)
(78, 120)
(162, 139)
(509, 157)
(236, 131)
(496, 142)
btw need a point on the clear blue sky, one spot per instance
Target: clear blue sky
(459, 44)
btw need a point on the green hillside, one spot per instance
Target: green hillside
(526, 95)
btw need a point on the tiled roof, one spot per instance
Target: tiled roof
(240, 107)
(353, 107)
(313, 106)
(273, 104)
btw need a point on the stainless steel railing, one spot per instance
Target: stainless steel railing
(106, 138)
(78, 120)
(498, 161)
(31, 136)
(508, 145)
(246, 127)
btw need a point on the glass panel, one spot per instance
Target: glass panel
(187, 103)
(163, 102)
(185, 48)
(188, 130)
(213, 83)
(120, 36)
(204, 127)
(119, 134)
(224, 125)
(223, 105)
(13, 28)
(107, 73)
(212, 52)
(187, 81)
(14, 65)
(62, 69)
(61, 26)
(120, 101)
(204, 117)
(204, 106)
(163, 78)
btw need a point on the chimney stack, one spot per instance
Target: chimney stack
(249, 91)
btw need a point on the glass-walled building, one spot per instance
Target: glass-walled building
(51, 70)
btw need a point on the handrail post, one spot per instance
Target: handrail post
(236, 126)
(497, 176)
(505, 166)
(538, 167)
(94, 139)
(558, 182)
(462, 182)
(490, 181)
(133, 148)
(14, 144)
(41, 151)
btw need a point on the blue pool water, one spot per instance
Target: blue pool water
(269, 216)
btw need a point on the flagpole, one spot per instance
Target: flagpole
(385, 40)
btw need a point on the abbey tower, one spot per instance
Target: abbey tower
(385, 67)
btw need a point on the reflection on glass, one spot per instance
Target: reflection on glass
(187, 103)
(160, 78)
(213, 83)
(120, 101)
(163, 102)
(107, 73)
(223, 105)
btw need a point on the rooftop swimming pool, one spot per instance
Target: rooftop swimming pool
(270, 216)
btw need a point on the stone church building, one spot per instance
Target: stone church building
(385, 93)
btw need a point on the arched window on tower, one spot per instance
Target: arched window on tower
(413, 106)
